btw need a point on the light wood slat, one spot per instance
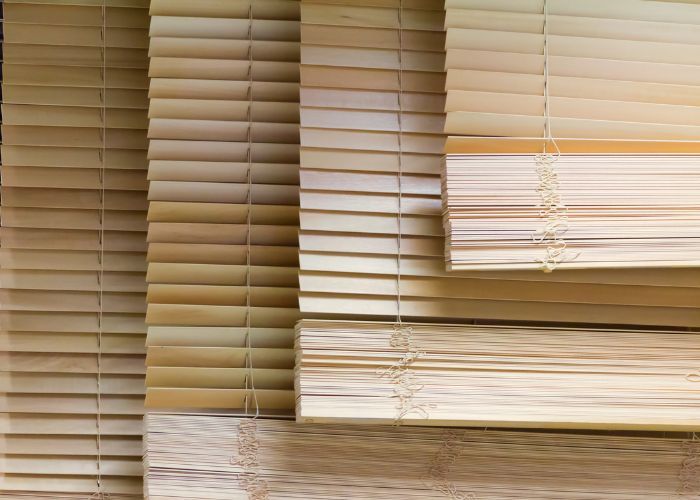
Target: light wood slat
(525, 145)
(23, 445)
(350, 198)
(495, 376)
(223, 214)
(192, 455)
(218, 337)
(219, 378)
(73, 301)
(76, 13)
(273, 402)
(276, 10)
(47, 424)
(223, 357)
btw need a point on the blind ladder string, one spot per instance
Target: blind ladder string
(100, 493)
(547, 115)
(553, 211)
(399, 374)
(248, 444)
(400, 168)
(249, 347)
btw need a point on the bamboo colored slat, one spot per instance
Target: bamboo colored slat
(611, 212)
(496, 376)
(72, 278)
(223, 213)
(371, 149)
(221, 457)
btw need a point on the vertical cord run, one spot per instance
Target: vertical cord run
(553, 211)
(400, 169)
(399, 372)
(547, 117)
(250, 379)
(100, 255)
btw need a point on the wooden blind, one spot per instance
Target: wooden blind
(371, 114)
(615, 71)
(223, 171)
(571, 212)
(205, 457)
(73, 248)
(497, 376)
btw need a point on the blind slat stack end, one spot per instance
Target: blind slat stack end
(388, 463)
(525, 212)
(496, 376)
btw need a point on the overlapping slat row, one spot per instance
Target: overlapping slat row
(626, 70)
(612, 211)
(73, 247)
(223, 171)
(190, 456)
(350, 191)
(446, 375)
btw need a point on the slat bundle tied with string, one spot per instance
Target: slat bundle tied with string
(608, 211)
(224, 169)
(190, 456)
(72, 287)
(350, 260)
(499, 376)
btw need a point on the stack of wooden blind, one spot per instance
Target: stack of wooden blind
(616, 73)
(423, 374)
(217, 457)
(616, 211)
(224, 156)
(365, 124)
(73, 248)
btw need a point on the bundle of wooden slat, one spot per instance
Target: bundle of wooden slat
(518, 212)
(497, 376)
(222, 457)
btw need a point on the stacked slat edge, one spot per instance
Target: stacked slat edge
(613, 211)
(208, 457)
(497, 376)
